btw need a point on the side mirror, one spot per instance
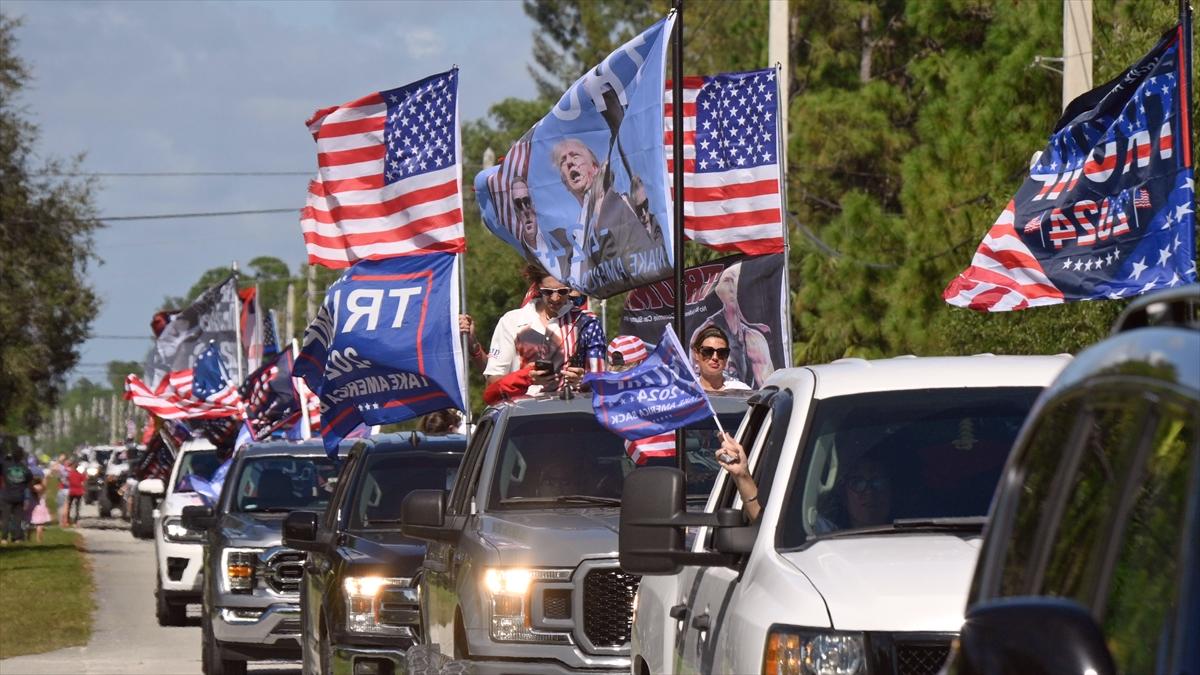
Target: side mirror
(300, 531)
(423, 516)
(651, 499)
(737, 540)
(198, 517)
(151, 486)
(1033, 636)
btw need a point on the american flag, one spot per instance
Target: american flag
(273, 397)
(1142, 200)
(732, 195)
(515, 165)
(388, 177)
(200, 393)
(651, 447)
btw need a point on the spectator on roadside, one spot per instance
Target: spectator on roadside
(63, 497)
(76, 485)
(40, 515)
(17, 478)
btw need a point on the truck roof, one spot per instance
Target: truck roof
(855, 376)
(549, 404)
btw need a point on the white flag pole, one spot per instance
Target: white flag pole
(781, 136)
(302, 393)
(237, 325)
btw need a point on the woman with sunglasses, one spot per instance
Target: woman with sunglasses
(543, 332)
(710, 349)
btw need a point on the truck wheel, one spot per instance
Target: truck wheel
(167, 613)
(143, 522)
(105, 505)
(212, 657)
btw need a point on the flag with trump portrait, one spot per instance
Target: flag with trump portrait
(388, 175)
(1107, 208)
(384, 345)
(584, 193)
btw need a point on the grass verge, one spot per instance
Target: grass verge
(45, 595)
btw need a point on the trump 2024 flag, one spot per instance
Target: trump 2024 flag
(388, 176)
(656, 396)
(384, 347)
(1107, 208)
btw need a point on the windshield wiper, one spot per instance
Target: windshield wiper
(949, 524)
(955, 524)
(565, 499)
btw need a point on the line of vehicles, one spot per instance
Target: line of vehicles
(966, 515)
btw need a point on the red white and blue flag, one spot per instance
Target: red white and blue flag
(1107, 210)
(203, 392)
(732, 194)
(652, 447)
(388, 177)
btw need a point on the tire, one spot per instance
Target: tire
(212, 657)
(105, 505)
(167, 613)
(142, 526)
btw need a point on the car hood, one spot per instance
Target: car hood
(909, 582)
(382, 552)
(552, 538)
(251, 529)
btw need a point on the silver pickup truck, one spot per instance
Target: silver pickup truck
(521, 573)
(251, 591)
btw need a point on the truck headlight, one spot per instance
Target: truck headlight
(240, 566)
(93, 470)
(793, 651)
(173, 530)
(381, 605)
(507, 590)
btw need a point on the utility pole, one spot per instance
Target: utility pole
(311, 295)
(777, 53)
(290, 322)
(1077, 49)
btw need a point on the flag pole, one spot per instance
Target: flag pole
(1185, 78)
(677, 155)
(462, 339)
(301, 393)
(237, 324)
(780, 126)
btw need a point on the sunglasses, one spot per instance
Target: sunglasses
(549, 292)
(859, 485)
(707, 352)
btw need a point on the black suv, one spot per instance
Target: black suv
(251, 582)
(359, 602)
(1091, 563)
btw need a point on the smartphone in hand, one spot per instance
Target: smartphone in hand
(543, 365)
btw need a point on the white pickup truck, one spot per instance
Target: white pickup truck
(874, 479)
(178, 550)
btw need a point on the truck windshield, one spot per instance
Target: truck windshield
(279, 484)
(200, 463)
(570, 461)
(902, 461)
(389, 477)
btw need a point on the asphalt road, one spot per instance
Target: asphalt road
(126, 638)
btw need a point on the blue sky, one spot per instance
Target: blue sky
(227, 86)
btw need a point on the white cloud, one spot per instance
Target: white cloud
(422, 42)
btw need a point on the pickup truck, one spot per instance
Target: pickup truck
(873, 482)
(251, 582)
(521, 572)
(358, 601)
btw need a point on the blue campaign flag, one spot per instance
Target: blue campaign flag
(658, 395)
(210, 376)
(585, 192)
(384, 346)
(1107, 209)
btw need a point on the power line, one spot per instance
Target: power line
(120, 337)
(166, 174)
(203, 214)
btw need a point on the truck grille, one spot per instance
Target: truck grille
(926, 659)
(399, 606)
(608, 606)
(285, 571)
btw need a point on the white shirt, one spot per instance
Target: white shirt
(504, 357)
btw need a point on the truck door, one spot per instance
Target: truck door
(705, 625)
(438, 582)
(318, 565)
